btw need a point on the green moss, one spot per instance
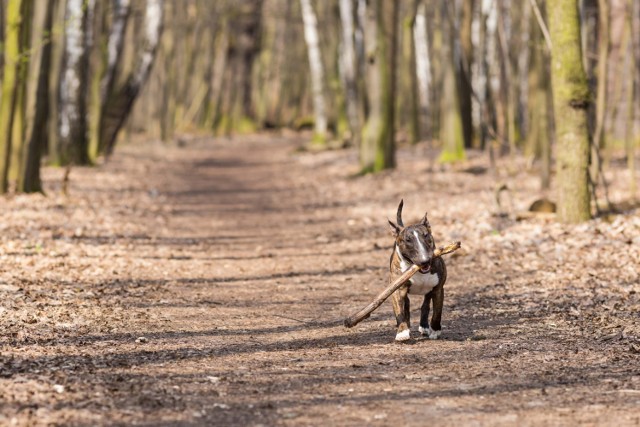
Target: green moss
(451, 156)
(318, 140)
(245, 125)
(305, 122)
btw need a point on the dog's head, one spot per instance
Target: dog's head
(415, 242)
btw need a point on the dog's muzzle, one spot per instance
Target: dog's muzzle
(425, 268)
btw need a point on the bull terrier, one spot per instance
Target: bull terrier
(415, 245)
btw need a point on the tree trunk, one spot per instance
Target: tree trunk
(451, 128)
(105, 60)
(29, 181)
(20, 115)
(120, 101)
(74, 84)
(629, 122)
(465, 60)
(524, 60)
(408, 104)
(57, 53)
(378, 142)
(570, 101)
(9, 88)
(601, 94)
(423, 69)
(316, 69)
(349, 70)
(539, 129)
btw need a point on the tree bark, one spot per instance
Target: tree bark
(570, 101)
(72, 124)
(120, 102)
(451, 128)
(29, 181)
(378, 140)
(601, 91)
(349, 70)
(316, 69)
(629, 122)
(423, 69)
(9, 88)
(20, 115)
(464, 68)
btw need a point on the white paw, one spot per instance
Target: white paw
(423, 331)
(403, 336)
(434, 335)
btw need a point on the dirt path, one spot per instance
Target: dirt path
(205, 285)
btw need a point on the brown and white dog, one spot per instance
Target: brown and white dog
(415, 245)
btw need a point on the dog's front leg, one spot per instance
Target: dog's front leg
(438, 300)
(400, 301)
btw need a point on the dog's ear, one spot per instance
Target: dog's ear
(425, 222)
(399, 214)
(395, 230)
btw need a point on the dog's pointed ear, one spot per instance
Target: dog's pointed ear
(399, 214)
(395, 230)
(425, 222)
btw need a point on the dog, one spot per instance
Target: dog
(415, 245)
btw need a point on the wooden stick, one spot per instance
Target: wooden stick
(354, 319)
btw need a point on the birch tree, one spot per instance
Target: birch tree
(571, 98)
(120, 100)
(317, 73)
(73, 142)
(349, 69)
(423, 68)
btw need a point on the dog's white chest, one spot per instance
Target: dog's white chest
(422, 284)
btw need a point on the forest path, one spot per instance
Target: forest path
(205, 285)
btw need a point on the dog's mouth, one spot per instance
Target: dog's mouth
(425, 268)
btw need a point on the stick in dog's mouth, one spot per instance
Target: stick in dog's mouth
(356, 318)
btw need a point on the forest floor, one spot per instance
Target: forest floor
(206, 285)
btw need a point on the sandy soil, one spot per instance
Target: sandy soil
(206, 285)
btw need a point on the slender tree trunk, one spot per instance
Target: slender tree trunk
(315, 66)
(57, 53)
(570, 100)
(539, 129)
(105, 59)
(74, 83)
(464, 76)
(20, 116)
(524, 60)
(9, 88)
(629, 122)
(120, 102)
(451, 127)
(29, 181)
(121, 9)
(349, 70)
(378, 142)
(408, 104)
(423, 69)
(98, 62)
(601, 94)
(507, 95)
